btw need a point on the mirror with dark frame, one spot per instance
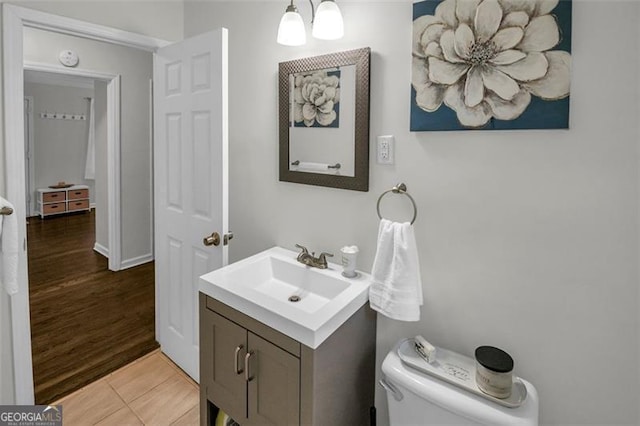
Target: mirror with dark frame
(324, 120)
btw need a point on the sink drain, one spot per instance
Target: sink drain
(294, 298)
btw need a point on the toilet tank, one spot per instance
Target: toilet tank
(420, 399)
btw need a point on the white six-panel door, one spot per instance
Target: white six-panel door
(190, 178)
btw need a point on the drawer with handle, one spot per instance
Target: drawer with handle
(78, 194)
(78, 205)
(54, 208)
(52, 197)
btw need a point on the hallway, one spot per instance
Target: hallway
(86, 321)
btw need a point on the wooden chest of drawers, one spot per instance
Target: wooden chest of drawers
(56, 201)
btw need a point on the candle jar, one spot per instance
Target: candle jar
(494, 368)
(349, 258)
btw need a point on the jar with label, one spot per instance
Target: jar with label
(494, 369)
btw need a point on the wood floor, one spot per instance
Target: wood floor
(86, 321)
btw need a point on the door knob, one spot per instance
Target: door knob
(212, 240)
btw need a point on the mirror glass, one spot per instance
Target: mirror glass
(324, 120)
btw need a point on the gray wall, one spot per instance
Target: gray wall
(162, 19)
(60, 146)
(135, 67)
(527, 239)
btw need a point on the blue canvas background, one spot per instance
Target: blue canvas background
(336, 107)
(540, 114)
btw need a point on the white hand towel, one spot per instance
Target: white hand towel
(10, 249)
(396, 290)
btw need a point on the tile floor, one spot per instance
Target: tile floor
(150, 391)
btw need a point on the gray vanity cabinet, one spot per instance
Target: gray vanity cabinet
(273, 393)
(220, 374)
(259, 376)
(263, 389)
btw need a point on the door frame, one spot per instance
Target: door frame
(14, 20)
(30, 161)
(114, 216)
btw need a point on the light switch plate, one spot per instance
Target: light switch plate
(385, 149)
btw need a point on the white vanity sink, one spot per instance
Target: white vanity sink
(307, 304)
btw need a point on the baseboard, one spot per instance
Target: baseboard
(101, 249)
(136, 261)
(92, 206)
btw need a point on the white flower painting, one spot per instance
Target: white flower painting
(316, 98)
(491, 64)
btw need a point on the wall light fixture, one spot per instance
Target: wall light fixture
(326, 21)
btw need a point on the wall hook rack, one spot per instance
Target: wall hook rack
(63, 116)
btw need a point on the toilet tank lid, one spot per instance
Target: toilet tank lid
(457, 400)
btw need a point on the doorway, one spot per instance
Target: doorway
(205, 112)
(69, 281)
(60, 153)
(66, 136)
(16, 21)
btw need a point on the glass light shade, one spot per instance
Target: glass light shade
(328, 23)
(291, 31)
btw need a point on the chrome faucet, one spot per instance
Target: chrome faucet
(310, 260)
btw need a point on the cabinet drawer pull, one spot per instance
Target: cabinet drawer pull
(236, 362)
(247, 376)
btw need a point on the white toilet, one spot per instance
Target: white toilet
(419, 399)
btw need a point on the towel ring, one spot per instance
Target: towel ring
(400, 188)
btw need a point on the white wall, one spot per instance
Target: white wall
(528, 240)
(162, 19)
(60, 146)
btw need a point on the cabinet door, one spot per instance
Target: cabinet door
(274, 388)
(222, 343)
